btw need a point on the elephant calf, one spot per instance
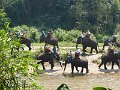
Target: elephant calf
(109, 57)
(77, 62)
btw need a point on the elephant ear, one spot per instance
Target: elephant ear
(63, 87)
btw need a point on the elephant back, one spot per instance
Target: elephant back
(89, 42)
(44, 57)
(25, 40)
(52, 41)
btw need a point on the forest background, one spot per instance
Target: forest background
(100, 17)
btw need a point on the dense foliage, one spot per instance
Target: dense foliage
(16, 66)
(98, 16)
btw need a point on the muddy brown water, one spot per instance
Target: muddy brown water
(51, 79)
(81, 82)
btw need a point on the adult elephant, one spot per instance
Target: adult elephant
(50, 40)
(110, 57)
(77, 62)
(26, 41)
(48, 58)
(22, 40)
(87, 42)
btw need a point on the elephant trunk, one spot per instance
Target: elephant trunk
(65, 64)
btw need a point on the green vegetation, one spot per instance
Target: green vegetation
(17, 67)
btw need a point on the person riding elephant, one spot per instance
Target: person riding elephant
(107, 42)
(77, 62)
(47, 50)
(42, 36)
(115, 42)
(23, 33)
(78, 51)
(86, 42)
(88, 34)
(48, 56)
(54, 50)
(50, 34)
(110, 56)
(114, 39)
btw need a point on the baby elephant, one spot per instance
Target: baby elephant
(77, 62)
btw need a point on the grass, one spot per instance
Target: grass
(65, 47)
(64, 44)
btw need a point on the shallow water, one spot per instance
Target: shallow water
(81, 81)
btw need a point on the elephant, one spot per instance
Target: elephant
(111, 56)
(26, 41)
(77, 62)
(87, 42)
(50, 40)
(22, 40)
(48, 57)
(115, 42)
(111, 42)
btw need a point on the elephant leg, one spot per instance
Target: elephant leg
(100, 65)
(84, 49)
(52, 64)
(91, 50)
(77, 69)
(72, 67)
(42, 63)
(65, 64)
(105, 66)
(82, 70)
(112, 65)
(29, 46)
(87, 70)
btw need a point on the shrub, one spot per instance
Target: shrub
(16, 68)
(32, 32)
(64, 35)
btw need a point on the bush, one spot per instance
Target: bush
(32, 32)
(16, 68)
(64, 35)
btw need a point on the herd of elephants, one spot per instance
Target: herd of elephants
(110, 56)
